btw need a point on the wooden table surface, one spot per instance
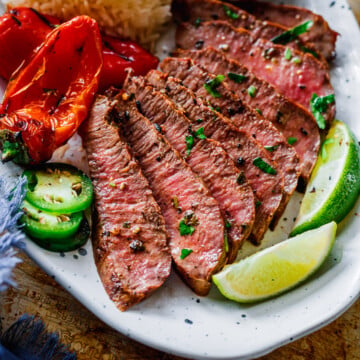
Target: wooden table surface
(39, 294)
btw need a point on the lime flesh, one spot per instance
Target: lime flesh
(334, 185)
(277, 269)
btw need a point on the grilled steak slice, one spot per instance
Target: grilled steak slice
(129, 237)
(294, 122)
(319, 35)
(193, 218)
(207, 158)
(296, 80)
(242, 149)
(195, 11)
(262, 130)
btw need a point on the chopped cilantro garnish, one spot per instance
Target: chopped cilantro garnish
(199, 133)
(252, 90)
(212, 84)
(307, 50)
(293, 33)
(189, 144)
(271, 148)
(319, 105)
(265, 167)
(292, 140)
(228, 224)
(112, 184)
(287, 54)
(231, 14)
(185, 229)
(259, 111)
(238, 78)
(185, 253)
(197, 22)
(296, 60)
(257, 204)
(189, 140)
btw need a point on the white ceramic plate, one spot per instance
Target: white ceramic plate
(177, 321)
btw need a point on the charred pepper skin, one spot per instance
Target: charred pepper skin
(42, 110)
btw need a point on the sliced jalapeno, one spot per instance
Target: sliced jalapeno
(44, 225)
(58, 188)
(55, 232)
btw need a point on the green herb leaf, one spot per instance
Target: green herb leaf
(199, 121)
(296, 60)
(189, 140)
(238, 78)
(293, 33)
(265, 167)
(323, 150)
(287, 54)
(292, 140)
(185, 229)
(228, 224)
(252, 90)
(185, 253)
(212, 84)
(319, 105)
(200, 133)
(197, 22)
(259, 111)
(112, 184)
(271, 148)
(231, 14)
(307, 50)
(257, 204)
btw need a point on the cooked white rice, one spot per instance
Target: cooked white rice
(140, 20)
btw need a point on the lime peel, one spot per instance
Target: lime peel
(277, 269)
(334, 185)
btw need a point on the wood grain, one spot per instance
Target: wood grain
(39, 294)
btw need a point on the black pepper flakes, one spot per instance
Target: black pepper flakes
(188, 321)
(158, 128)
(199, 44)
(241, 178)
(303, 131)
(240, 161)
(137, 245)
(138, 105)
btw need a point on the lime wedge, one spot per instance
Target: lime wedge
(334, 184)
(277, 269)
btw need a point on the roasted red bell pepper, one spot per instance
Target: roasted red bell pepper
(29, 28)
(47, 100)
(22, 30)
(122, 54)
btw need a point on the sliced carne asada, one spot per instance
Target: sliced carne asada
(194, 77)
(129, 236)
(192, 216)
(207, 158)
(290, 119)
(244, 150)
(196, 11)
(298, 80)
(320, 35)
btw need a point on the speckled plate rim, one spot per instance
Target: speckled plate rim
(173, 321)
